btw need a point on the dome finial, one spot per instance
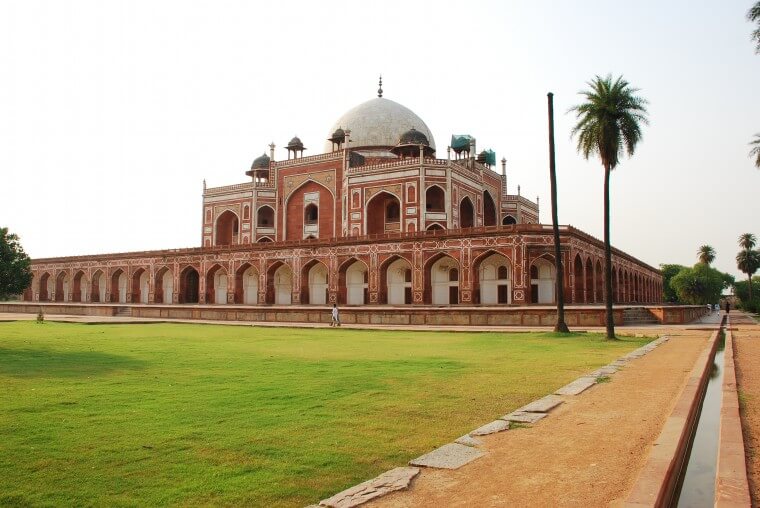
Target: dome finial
(380, 90)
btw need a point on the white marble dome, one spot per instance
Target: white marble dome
(379, 122)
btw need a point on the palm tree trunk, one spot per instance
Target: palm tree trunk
(608, 257)
(561, 326)
(749, 279)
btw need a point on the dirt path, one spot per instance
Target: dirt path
(747, 357)
(587, 453)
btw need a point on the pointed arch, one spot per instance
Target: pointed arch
(489, 209)
(247, 284)
(383, 214)
(163, 288)
(492, 276)
(265, 217)
(140, 285)
(466, 213)
(43, 288)
(396, 281)
(441, 280)
(317, 198)
(435, 199)
(314, 283)
(353, 282)
(189, 285)
(590, 296)
(216, 284)
(80, 292)
(508, 220)
(119, 286)
(543, 280)
(227, 228)
(579, 293)
(98, 287)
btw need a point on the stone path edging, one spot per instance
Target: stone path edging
(466, 448)
(658, 480)
(731, 485)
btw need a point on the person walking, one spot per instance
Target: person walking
(728, 307)
(335, 316)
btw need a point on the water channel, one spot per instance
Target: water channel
(698, 484)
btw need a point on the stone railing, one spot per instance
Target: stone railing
(228, 188)
(337, 155)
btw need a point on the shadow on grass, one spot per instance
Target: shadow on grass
(64, 364)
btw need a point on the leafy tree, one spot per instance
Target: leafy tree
(609, 124)
(754, 15)
(668, 272)
(741, 290)
(706, 254)
(748, 261)
(754, 153)
(699, 285)
(15, 274)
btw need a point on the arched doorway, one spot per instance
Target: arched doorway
(216, 285)
(489, 210)
(189, 283)
(435, 199)
(590, 298)
(579, 293)
(140, 286)
(466, 213)
(247, 285)
(396, 280)
(356, 283)
(599, 277)
(316, 277)
(45, 289)
(283, 285)
(494, 280)
(383, 214)
(164, 286)
(443, 278)
(265, 217)
(542, 284)
(508, 220)
(227, 226)
(62, 287)
(435, 227)
(80, 290)
(98, 291)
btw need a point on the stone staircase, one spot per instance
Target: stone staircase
(122, 311)
(636, 316)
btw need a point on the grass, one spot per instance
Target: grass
(226, 415)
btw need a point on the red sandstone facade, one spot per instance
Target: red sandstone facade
(377, 219)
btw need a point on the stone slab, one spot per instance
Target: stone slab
(523, 417)
(543, 405)
(578, 386)
(448, 456)
(468, 440)
(491, 428)
(604, 371)
(391, 481)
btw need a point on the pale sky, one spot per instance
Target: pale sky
(113, 113)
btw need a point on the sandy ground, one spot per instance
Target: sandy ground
(747, 358)
(588, 452)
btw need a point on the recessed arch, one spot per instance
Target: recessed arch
(247, 284)
(189, 285)
(579, 295)
(590, 296)
(62, 287)
(80, 289)
(353, 282)
(314, 283)
(216, 284)
(396, 281)
(442, 280)
(435, 199)
(119, 286)
(489, 209)
(44, 287)
(542, 280)
(98, 288)
(265, 217)
(508, 220)
(466, 213)
(493, 281)
(140, 285)
(264, 239)
(163, 291)
(383, 214)
(308, 193)
(435, 227)
(227, 228)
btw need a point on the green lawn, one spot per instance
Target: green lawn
(227, 415)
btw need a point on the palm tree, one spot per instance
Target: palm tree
(755, 152)
(754, 15)
(747, 241)
(561, 326)
(748, 261)
(609, 124)
(706, 254)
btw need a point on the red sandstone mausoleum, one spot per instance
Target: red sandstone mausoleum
(380, 217)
